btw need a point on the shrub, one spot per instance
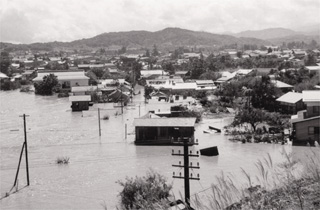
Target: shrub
(105, 117)
(144, 192)
(62, 160)
(47, 85)
(8, 85)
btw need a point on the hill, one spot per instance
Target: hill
(295, 38)
(266, 34)
(169, 38)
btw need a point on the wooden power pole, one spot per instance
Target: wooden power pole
(187, 177)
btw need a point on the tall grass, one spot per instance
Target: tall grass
(277, 186)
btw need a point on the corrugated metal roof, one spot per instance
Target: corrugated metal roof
(80, 98)
(280, 84)
(311, 95)
(67, 77)
(2, 75)
(290, 98)
(165, 122)
(183, 86)
(200, 82)
(83, 88)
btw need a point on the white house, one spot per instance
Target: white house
(67, 79)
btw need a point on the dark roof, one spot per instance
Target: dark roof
(165, 122)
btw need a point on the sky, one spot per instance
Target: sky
(29, 21)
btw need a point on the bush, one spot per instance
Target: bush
(47, 85)
(62, 160)
(8, 85)
(105, 117)
(144, 192)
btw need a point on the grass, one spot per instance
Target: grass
(62, 160)
(289, 185)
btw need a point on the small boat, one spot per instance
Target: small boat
(216, 129)
(209, 131)
(210, 151)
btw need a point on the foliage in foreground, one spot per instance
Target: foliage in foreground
(293, 184)
(144, 192)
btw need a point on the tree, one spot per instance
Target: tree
(155, 51)
(5, 63)
(269, 50)
(278, 120)
(47, 86)
(122, 50)
(147, 91)
(168, 66)
(197, 67)
(144, 192)
(210, 75)
(311, 60)
(147, 53)
(264, 92)
(250, 115)
(98, 72)
(239, 54)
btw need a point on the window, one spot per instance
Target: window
(316, 109)
(313, 130)
(310, 130)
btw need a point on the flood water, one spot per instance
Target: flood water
(97, 163)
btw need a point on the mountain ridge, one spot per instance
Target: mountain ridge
(173, 37)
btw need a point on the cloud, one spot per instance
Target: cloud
(60, 20)
(16, 27)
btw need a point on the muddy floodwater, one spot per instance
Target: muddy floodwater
(97, 163)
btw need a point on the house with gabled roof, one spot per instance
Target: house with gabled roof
(306, 124)
(164, 131)
(290, 103)
(66, 79)
(284, 87)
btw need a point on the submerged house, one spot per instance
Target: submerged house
(163, 131)
(306, 124)
(80, 102)
(66, 79)
(117, 96)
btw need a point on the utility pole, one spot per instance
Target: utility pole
(25, 148)
(121, 100)
(139, 109)
(125, 131)
(99, 121)
(186, 167)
